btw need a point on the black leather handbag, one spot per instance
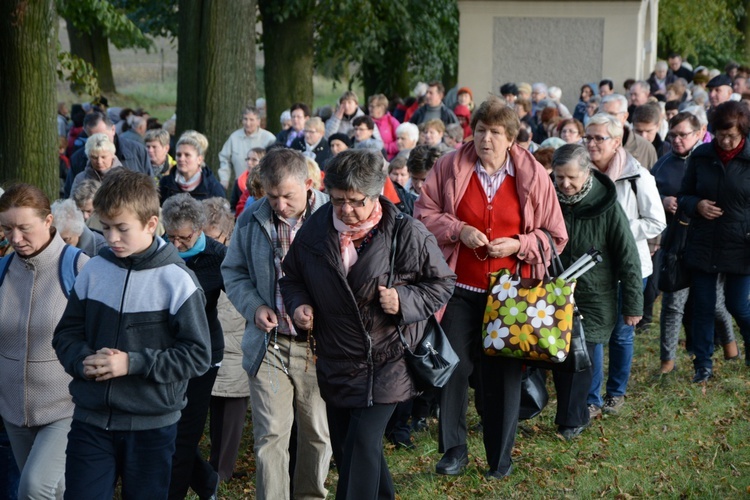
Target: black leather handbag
(433, 361)
(673, 273)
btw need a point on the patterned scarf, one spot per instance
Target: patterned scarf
(575, 198)
(187, 185)
(347, 234)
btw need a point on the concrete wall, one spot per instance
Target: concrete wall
(560, 43)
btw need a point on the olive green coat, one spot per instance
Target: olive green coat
(598, 221)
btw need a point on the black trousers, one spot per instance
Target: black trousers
(572, 391)
(501, 391)
(227, 424)
(189, 469)
(462, 323)
(357, 442)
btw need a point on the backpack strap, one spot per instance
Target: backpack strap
(4, 263)
(69, 268)
(634, 185)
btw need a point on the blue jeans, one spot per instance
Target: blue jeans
(597, 376)
(703, 290)
(620, 352)
(96, 458)
(620, 358)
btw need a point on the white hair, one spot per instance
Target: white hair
(539, 87)
(260, 102)
(286, 117)
(411, 130)
(99, 142)
(699, 112)
(555, 93)
(420, 89)
(67, 217)
(614, 127)
(661, 66)
(713, 73)
(700, 97)
(618, 98)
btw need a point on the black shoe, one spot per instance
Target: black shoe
(702, 375)
(569, 433)
(407, 444)
(496, 474)
(419, 425)
(451, 465)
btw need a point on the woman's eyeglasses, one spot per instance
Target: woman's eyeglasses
(596, 139)
(183, 239)
(338, 202)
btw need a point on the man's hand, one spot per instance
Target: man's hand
(389, 300)
(106, 364)
(265, 318)
(303, 317)
(670, 204)
(473, 237)
(708, 209)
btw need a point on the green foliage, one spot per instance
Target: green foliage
(706, 33)
(121, 31)
(81, 75)
(393, 43)
(282, 10)
(152, 17)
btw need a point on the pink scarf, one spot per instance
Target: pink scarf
(347, 234)
(187, 185)
(616, 164)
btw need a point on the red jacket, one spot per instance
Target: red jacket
(447, 182)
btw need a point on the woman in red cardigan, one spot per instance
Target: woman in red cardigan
(486, 204)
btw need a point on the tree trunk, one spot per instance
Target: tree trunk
(94, 49)
(229, 70)
(216, 68)
(28, 127)
(288, 50)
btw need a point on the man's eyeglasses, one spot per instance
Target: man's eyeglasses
(681, 135)
(338, 202)
(183, 239)
(596, 139)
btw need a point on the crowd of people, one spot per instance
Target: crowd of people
(164, 286)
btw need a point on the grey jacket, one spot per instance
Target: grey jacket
(250, 275)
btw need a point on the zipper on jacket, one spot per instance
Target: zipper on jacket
(108, 394)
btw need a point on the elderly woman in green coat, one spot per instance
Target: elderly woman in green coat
(593, 218)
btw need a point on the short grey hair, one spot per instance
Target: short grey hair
(661, 66)
(359, 170)
(409, 129)
(539, 87)
(555, 93)
(572, 152)
(614, 127)
(67, 217)
(642, 85)
(619, 99)
(286, 117)
(455, 131)
(281, 164)
(218, 215)
(183, 209)
(99, 142)
(699, 112)
(85, 191)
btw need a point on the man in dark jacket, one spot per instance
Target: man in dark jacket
(276, 356)
(433, 108)
(132, 155)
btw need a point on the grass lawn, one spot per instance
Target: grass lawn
(673, 439)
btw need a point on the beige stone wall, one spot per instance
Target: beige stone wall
(559, 43)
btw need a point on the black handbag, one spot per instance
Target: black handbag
(578, 359)
(534, 395)
(673, 273)
(433, 361)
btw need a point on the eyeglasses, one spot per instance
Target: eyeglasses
(184, 239)
(338, 202)
(681, 135)
(720, 136)
(596, 139)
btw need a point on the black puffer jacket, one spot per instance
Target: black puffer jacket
(208, 188)
(360, 356)
(207, 268)
(722, 244)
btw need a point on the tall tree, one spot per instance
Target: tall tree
(393, 43)
(28, 59)
(288, 27)
(216, 68)
(92, 24)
